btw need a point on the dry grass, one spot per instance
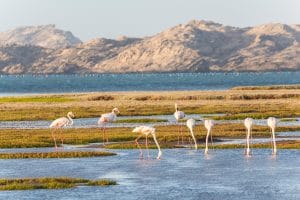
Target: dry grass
(281, 103)
(271, 87)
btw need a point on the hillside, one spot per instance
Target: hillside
(198, 46)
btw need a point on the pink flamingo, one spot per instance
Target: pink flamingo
(248, 124)
(59, 124)
(146, 130)
(179, 115)
(272, 122)
(107, 118)
(208, 123)
(191, 123)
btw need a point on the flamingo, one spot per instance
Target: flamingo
(208, 123)
(272, 122)
(190, 123)
(179, 115)
(60, 123)
(248, 124)
(107, 118)
(146, 130)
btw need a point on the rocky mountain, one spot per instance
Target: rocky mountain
(46, 36)
(198, 46)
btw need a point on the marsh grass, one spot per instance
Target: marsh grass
(50, 183)
(288, 120)
(272, 87)
(258, 103)
(35, 99)
(26, 138)
(57, 154)
(288, 144)
(103, 182)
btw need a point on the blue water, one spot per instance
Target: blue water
(20, 84)
(180, 174)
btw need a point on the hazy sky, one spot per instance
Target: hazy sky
(110, 18)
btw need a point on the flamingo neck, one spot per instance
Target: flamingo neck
(193, 136)
(70, 120)
(158, 147)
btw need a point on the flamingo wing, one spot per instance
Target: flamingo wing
(60, 122)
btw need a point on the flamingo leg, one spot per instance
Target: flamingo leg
(206, 143)
(54, 139)
(178, 133)
(103, 134)
(147, 146)
(272, 143)
(137, 143)
(61, 138)
(251, 141)
(245, 150)
(247, 143)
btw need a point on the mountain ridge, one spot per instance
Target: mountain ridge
(197, 46)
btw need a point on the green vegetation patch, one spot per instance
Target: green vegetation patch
(58, 154)
(33, 99)
(50, 183)
(271, 87)
(288, 120)
(28, 138)
(288, 144)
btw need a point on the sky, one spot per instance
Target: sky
(89, 19)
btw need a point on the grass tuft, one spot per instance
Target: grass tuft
(50, 183)
(58, 154)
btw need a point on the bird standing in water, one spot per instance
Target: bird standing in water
(191, 123)
(178, 116)
(107, 118)
(272, 122)
(146, 131)
(248, 124)
(59, 124)
(208, 123)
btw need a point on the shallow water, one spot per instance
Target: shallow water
(92, 122)
(24, 84)
(181, 174)
(260, 140)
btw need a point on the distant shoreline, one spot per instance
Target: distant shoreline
(151, 72)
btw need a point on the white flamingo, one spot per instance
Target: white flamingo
(272, 122)
(146, 130)
(208, 123)
(248, 124)
(179, 115)
(190, 123)
(107, 118)
(60, 123)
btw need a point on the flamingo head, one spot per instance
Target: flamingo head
(70, 114)
(116, 111)
(159, 155)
